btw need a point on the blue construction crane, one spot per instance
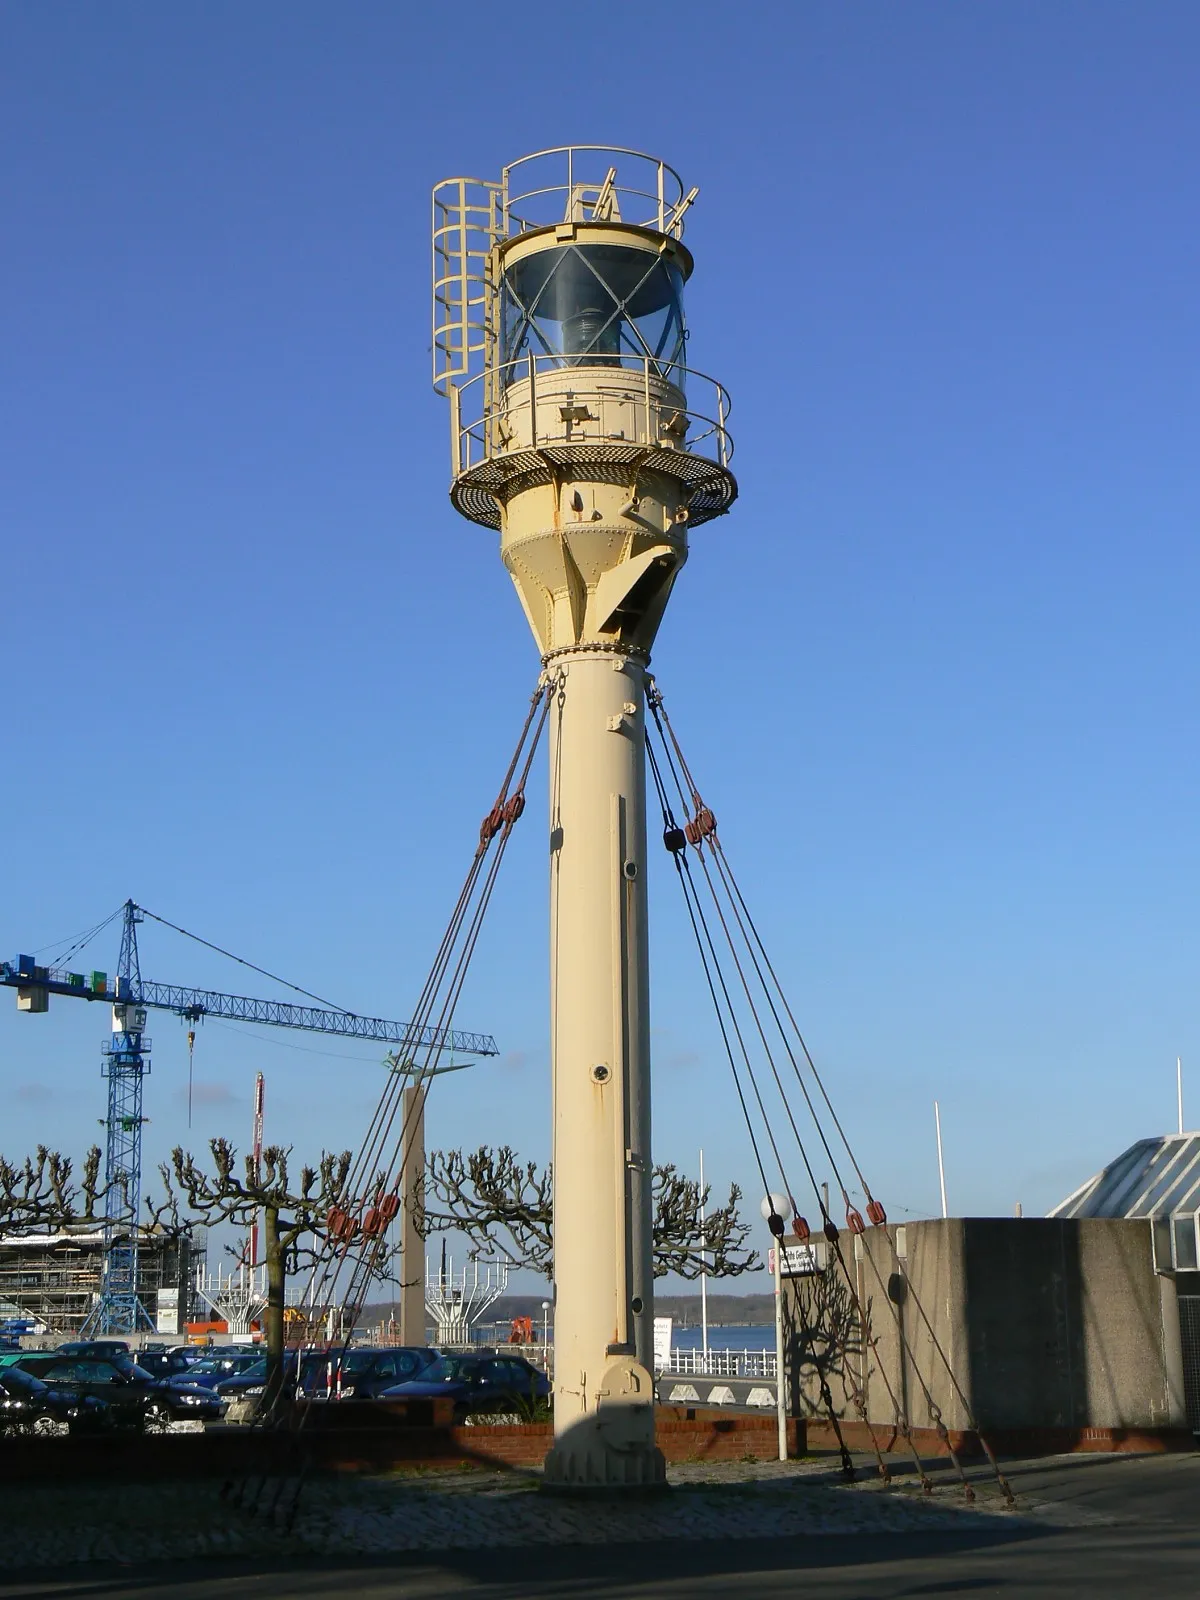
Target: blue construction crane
(127, 1061)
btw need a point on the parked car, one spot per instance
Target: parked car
(477, 1383)
(94, 1347)
(251, 1382)
(360, 1374)
(211, 1370)
(135, 1397)
(177, 1363)
(29, 1406)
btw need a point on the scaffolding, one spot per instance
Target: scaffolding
(56, 1277)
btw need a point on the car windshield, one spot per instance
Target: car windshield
(258, 1370)
(452, 1369)
(353, 1364)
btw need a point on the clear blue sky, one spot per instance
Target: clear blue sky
(937, 669)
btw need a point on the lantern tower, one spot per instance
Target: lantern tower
(580, 436)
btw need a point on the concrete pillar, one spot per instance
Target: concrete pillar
(412, 1246)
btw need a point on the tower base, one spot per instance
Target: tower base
(584, 1462)
(613, 1446)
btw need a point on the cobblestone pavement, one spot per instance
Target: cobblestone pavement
(54, 1525)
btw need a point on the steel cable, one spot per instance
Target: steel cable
(370, 1171)
(696, 916)
(754, 947)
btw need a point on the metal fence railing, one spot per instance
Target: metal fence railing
(722, 1364)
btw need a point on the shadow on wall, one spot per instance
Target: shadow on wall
(824, 1347)
(1045, 1322)
(1023, 1309)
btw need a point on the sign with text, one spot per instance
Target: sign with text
(662, 1343)
(799, 1261)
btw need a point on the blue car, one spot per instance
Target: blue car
(251, 1381)
(360, 1374)
(177, 1363)
(211, 1370)
(504, 1384)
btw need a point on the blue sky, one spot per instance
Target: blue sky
(936, 671)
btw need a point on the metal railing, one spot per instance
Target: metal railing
(722, 1364)
(642, 410)
(579, 182)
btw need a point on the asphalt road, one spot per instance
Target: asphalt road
(1091, 1525)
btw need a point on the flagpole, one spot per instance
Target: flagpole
(704, 1279)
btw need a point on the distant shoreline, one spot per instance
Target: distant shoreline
(724, 1310)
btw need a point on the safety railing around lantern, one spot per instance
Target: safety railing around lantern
(533, 402)
(582, 183)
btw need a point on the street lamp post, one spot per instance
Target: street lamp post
(776, 1210)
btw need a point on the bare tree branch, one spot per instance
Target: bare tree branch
(505, 1208)
(39, 1194)
(689, 1246)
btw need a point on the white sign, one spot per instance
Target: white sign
(799, 1261)
(167, 1320)
(662, 1343)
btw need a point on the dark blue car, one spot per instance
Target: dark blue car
(131, 1397)
(360, 1374)
(177, 1363)
(214, 1369)
(505, 1384)
(251, 1381)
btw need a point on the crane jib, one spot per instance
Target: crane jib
(194, 1004)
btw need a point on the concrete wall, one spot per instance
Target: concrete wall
(1046, 1323)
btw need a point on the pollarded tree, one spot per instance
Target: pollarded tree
(505, 1206)
(40, 1193)
(293, 1217)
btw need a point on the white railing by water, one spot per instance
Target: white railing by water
(722, 1363)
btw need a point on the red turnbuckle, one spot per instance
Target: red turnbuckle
(876, 1215)
(491, 824)
(341, 1225)
(801, 1229)
(854, 1220)
(701, 825)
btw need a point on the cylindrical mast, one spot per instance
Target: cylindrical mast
(600, 1048)
(578, 434)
